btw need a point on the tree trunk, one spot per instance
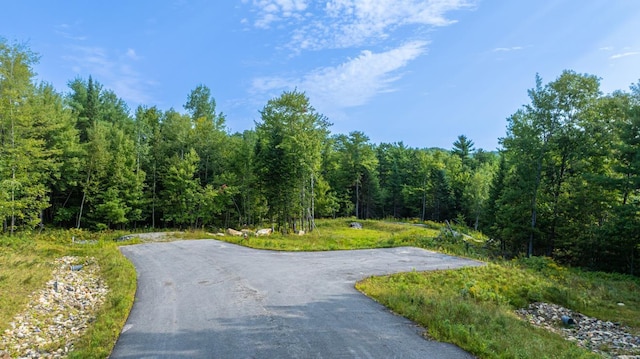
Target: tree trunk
(84, 196)
(13, 194)
(358, 197)
(424, 199)
(534, 206)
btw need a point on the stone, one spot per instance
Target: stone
(56, 317)
(233, 232)
(124, 238)
(590, 333)
(264, 232)
(355, 225)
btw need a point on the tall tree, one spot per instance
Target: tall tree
(543, 144)
(463, 148)
(287, 153)
(201, 104)
(26, 160)
(393, 170)
(149, 155)
(359, 173)
(182, 191)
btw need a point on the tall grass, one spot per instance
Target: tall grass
(26, 265)
(474, 307)
(470, 307)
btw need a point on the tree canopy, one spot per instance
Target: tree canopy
(565, 182)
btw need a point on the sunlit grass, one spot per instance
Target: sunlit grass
(335, 234)
(26, 264)
(474, 307)
(470, 307)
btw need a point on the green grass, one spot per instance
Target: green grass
(474, 307)
(26, 265)
(470, 307)
(336, 235)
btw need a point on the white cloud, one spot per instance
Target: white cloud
(114, 71)
(508, 49)
(624, 54)
(270, 11)
(131, 53)
(347, 23)
(66, 31)
(352, 83)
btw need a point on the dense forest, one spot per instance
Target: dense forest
(565, 182)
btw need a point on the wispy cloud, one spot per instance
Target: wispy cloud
(351, 83)
(353, 25)
(116, 71)
(348, 23)
(131, 53)
(624, 54)
(66, 31)
(271, 11)
(508, 49)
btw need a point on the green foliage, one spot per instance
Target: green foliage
(287, 158)
(27, 149)
(356, 174)
(565, 184)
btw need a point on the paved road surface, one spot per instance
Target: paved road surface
(211, 299)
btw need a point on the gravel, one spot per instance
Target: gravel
(58, 314)
(602, 337)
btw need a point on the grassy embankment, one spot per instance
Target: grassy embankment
(471, 307)
(26, 264)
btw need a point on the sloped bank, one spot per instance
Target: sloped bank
(59, 313)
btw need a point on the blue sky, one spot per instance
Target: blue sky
(420, 72)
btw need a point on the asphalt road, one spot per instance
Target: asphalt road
(211, 299)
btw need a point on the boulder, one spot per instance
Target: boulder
(264, 232)
(355, 225)
(233, 232)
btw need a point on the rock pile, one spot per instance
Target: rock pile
(599, 336)
(58, 314)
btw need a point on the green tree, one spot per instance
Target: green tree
(621, 232)
(55, 124)
(287, 158)
(149, 156)
(544, 145)
(201, 105)
(181, 192)
(393, 171)
(358, 172)
(209, 137)
(463, 148)
(248, 203)
(26, 158)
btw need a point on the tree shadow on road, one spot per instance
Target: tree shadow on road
(329, 328)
